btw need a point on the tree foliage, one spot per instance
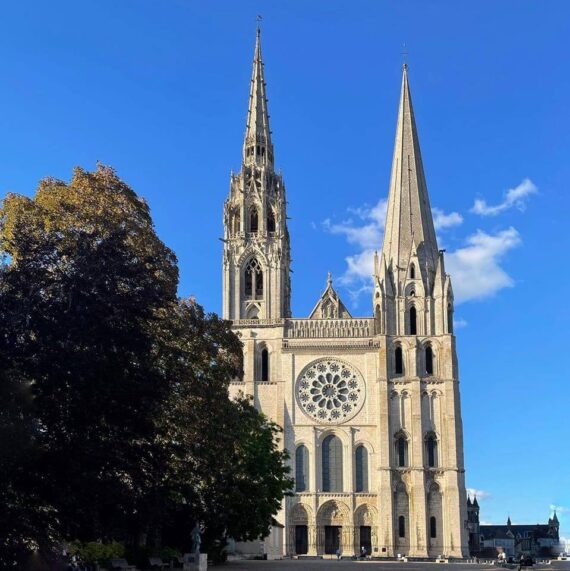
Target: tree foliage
(116, 390)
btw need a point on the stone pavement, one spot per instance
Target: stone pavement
(326, 565)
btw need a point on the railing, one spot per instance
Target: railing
(329, 328)
(257, 322)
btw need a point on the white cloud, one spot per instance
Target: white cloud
(559, 509)
(479, 494)
(365, 230)
(475, 270)
(459, 323)
(441, 220)
(516, 197)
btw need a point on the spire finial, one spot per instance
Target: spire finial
(404, 54)
(329, 279)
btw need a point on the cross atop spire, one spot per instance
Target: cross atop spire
(409, 222)
(257, 146)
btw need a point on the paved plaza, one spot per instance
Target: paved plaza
(325, 565)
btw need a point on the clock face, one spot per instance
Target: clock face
(330, 391)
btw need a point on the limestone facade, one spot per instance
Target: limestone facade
(369, 406)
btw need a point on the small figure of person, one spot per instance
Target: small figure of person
(363, 552)
(338, 553)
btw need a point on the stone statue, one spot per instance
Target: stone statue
(196, 537)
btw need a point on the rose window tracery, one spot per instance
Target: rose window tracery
(330, 391)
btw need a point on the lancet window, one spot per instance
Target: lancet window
(361, 458)
(270, 221)
(398, 361)
(301, 469)
(401, 451)
(431, 451)
(413, 321)
(253, 221)
(332, 464)
(253, 280)
(429, 360)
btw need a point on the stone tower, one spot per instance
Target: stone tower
(422, 468)
(369, 406)
(256, 261)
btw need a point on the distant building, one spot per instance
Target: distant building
(538, 540)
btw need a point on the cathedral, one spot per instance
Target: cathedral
(369, 406)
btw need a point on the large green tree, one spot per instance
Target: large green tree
(87, 286)
(117, 390)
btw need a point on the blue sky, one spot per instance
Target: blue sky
(158, 89)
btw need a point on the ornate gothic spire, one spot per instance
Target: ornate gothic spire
(257, 146)
(409, 222)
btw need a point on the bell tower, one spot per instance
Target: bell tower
(413, 316)
(256, 260)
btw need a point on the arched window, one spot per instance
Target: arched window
(253, 220)
(301, 469)
(449, 318)
(398, 361)
(432, 527)
(361, 458)
(413, 321)
(270, 221)
(332, 464)
(253, 280)
(431, 451)
(264, 365)
(412, 272)
(402, 451)
(429, 360)
(401, 526)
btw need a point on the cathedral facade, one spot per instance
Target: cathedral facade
(369, 406)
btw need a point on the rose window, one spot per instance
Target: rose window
(330, 391)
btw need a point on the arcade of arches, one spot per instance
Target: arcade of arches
(334, 527)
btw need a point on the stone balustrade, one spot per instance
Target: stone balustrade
(329, 328)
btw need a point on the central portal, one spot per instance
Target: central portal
(332, 538)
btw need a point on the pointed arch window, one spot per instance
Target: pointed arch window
(270, 221)
(449, 318)
(253, 221)
(332, 464)
(401, 526)
(402, 451)
(301, 469)
(429, 360)
(398, 361)
(264, 365)
(361, 458)
(432, 527)
(431, 451)
(413, 321)
(412, 272)
(253, 280)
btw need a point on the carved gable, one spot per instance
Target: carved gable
(330, 305)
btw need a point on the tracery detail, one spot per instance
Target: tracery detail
(330, 391)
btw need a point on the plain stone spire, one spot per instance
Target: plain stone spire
(257, 146)
(409, 222)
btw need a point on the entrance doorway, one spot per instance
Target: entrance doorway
(332, 538)
(301, 540)
(366, 538)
